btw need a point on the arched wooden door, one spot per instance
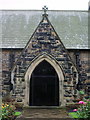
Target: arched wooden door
(44, 86)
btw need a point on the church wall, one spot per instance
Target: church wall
(45, 44)
(8, 59)
(79, 57)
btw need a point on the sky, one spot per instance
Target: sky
(38, 4)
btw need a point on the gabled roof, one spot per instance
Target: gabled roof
(19, 25)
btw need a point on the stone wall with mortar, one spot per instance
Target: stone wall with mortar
(9, 56)
(44, 42)
(84, 68)
(81, 59)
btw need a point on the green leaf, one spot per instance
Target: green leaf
(17, 113)
(74, 114)
(81, 92)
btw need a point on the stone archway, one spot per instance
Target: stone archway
(44, 86)
(57, 69)
(44, 44)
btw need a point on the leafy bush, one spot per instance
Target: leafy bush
(74, 114)
(83, 111)
(8, 112)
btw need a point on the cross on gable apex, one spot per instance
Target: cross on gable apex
(45, 8)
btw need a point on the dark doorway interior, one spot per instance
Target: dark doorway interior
(44, 86)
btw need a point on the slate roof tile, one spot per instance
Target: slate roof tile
(19, 25)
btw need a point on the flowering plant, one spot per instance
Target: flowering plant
(82, 102)
(8, 111)
(75, 110)
(83, 111)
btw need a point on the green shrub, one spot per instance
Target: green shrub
(83, 111)
(8, 112)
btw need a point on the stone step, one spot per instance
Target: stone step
(46, 113)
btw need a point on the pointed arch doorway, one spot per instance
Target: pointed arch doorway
(44, 86)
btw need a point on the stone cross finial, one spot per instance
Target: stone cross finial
(45, 8)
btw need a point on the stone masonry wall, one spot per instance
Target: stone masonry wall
(84, 68)
(8, 59)
(81, 59)
(45, 41)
